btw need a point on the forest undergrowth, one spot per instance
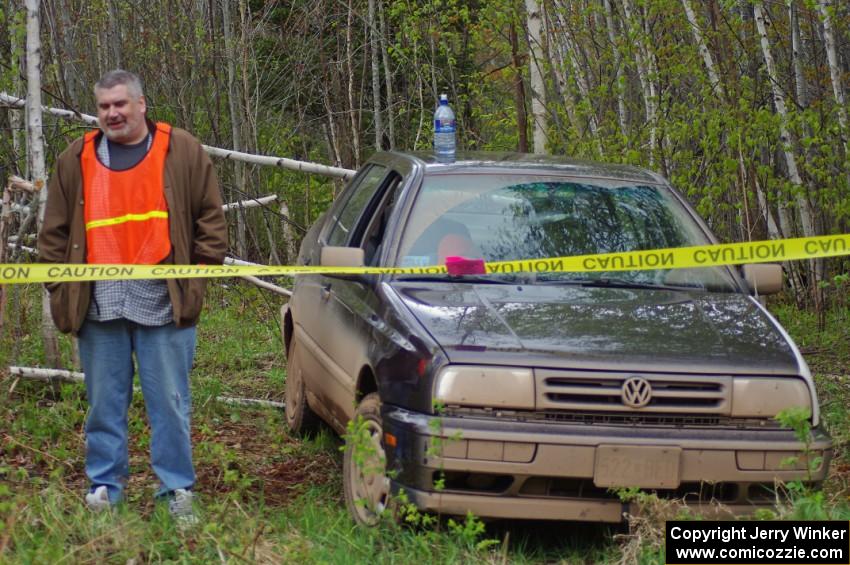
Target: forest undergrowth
(268, 497)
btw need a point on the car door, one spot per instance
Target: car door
(324, 328)
(353, 306)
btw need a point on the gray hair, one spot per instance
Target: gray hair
(118, 76)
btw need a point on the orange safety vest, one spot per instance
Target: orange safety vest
(125, 211)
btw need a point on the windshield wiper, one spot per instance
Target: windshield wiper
(622, 283)
(605, 282)
(442, 277)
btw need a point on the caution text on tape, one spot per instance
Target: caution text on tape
(670, 258)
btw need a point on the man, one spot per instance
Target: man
(144, 193)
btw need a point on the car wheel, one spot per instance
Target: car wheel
(365, 482)
(299, 417)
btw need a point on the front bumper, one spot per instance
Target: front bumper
(541, 470)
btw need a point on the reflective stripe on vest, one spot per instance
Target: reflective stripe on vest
(126, 215)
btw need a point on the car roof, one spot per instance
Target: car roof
(468, 161)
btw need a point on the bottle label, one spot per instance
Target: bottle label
(444, 126)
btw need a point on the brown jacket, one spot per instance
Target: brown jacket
(196, 224)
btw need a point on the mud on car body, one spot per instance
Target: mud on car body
(522, 395)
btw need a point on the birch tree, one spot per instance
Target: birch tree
(571, 54)
(538, 86)
(38, 170)
(800, 83)
(824, 9)
(16, 122)
(388, 76)
(803, 205)
(352, 106)
(374, 49)
(620, 84)
(519, 88)
(647, 82)
(235, 121)
(797, 55)
(113, 34)
(707, 59)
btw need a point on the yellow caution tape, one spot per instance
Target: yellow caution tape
(671, 258)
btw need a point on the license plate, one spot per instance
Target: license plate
(637, 466)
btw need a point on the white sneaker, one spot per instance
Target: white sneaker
(180, 507)
(98, 500)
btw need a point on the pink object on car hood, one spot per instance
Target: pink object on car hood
(462, 266)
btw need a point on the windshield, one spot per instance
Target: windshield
(501, 217)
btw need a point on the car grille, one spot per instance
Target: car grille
(615, 419)
(603, 392)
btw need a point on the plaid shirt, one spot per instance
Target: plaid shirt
(145, 302)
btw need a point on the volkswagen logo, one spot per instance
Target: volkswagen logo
(636, 392)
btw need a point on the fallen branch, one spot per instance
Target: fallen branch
(15, 102)
(51, 375)
(29, 250)
(267, 285)
(252, 203)
(282, 162)
(16, 183)
(47, 374)
(250, 402)
(259, 282)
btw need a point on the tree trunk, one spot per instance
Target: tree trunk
(5, 219)
(114, 34)
(572, 54)
(620, 87)
(764, 206)
(58, 21)
(801, 87)
(797, 55)
(538, 86)
(562, 86)
(352, 108)
(646, 82)
(16, 121)
(38, 172)
(703, 49)
(376, 75)
(805, 209)
(288, 237)
(235, 124)
(519, 92)
(803, 205)
(388, 76)
(834, 72)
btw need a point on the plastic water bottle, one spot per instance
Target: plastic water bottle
(444, 130)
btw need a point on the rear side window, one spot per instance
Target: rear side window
(345, 219)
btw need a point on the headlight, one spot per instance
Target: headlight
(496, 387)
(765, 397)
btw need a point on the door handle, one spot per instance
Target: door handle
(326, 291)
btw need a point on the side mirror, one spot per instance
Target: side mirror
(763, 278)
(342, 257)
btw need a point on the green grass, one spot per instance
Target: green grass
(265, 496)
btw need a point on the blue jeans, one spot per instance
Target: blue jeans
(164, 356)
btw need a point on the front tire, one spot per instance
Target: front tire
(365, 483)
(300, 418)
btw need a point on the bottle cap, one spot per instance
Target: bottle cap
(444, 98)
